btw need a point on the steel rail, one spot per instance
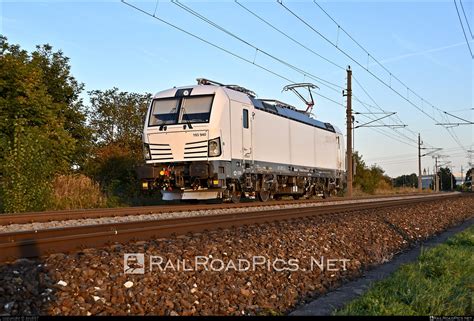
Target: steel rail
(48, 216)
(28, 244)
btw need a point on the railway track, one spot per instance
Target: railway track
(49, 216)
(28, 244)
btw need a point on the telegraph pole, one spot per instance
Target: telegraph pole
(349, 130)
(451, 176)
(419, 163)
(436, 174)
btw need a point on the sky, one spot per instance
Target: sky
(414, 44)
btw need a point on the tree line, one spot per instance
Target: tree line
(58, 151)
(46, 130)
(446, 177)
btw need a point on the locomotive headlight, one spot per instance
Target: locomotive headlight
(214, 147)
(146, 151)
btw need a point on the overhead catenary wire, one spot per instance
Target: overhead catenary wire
(463, 31)
(235, 36)
(269, 70)
(455, 151)
(432, 117)
(305, 47)
(467, 20)
(288, 36)
(380, 131)
(381, 109)
(360, 64)
(369, 55)
(376, 60)
(388, 135)
(395, 131)
(224, 49)
(250, 62)
(400, 136)
(300, 44)
(460, 110)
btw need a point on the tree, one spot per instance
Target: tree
(406, 181)
(468, 175)
(35, 139)
(27, 170)
(117, 122)
(447, 179)
(64, 91)
(369, 178)
(117, 118)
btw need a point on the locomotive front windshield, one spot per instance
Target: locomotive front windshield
(191, 109)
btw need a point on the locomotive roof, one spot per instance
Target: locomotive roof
(288, 111)
(272, 106)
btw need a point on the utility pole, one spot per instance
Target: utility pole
(436, 174)
(471, 166)
(353, 134)
(348, 93)
(451, 176)
(441, 178)
(419, 163)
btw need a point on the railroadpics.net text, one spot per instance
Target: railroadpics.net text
(136, 263)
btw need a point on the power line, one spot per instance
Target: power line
(359, 64)
(395, 132)
(432, 117)
(459, 110)
(465, 17)
(393, 157)
(288, 36)
(404, 156)
(215, 25)
(223, 49)
(387, 134)
(463, 31)
(377, 106)
(244, 59)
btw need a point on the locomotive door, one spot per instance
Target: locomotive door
(247, 119)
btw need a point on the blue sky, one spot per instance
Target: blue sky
(420, 42)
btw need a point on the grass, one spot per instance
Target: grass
(357, 191)
(440, 283)
(76, 191)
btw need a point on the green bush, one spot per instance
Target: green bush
(369, 178)
(27, 172)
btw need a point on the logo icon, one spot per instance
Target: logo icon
(134, 263)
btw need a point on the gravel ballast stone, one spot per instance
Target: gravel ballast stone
(92, 281)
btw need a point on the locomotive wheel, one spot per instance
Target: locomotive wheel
(326, 194)
(264, 196)
(296, 197)
(235, 196)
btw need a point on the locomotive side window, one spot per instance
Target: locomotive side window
(196, 109)
(163, 112)
(245, 118)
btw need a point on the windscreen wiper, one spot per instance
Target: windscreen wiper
(187, 117)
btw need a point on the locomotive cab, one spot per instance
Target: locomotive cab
(185, 137)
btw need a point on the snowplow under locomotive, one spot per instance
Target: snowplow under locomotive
(215, 141)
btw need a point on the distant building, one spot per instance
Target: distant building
(427, 181)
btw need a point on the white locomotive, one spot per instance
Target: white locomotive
(215, 141)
